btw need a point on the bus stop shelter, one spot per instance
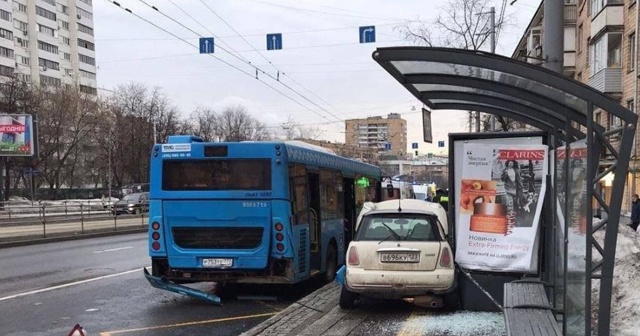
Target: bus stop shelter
(454, 79)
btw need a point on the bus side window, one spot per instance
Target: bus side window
(298, 191)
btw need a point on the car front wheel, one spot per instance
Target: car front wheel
(347, 298)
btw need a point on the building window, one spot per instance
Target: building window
(8, 34)
(6, 71)
(66, 40)
(47, 64)
(64, 25)
(5, 15)
(85, 29)
(605, 52)
(87, 74)
(632, 51)
(86, 59)
(46, 14)
(64, 9)
(599, 118)
(88, 90)
(46, 80)
(20, 25)
(86, 44)
(579, 77)
(631, 105)
(20, 7)
(88, 2)
(68, 72)
(48, 47)
(614, 121)
(22, 42)
(51, 2)
(579, 39)
(46, 30)
(6, 52)
(24, 60)
(85, 14)
(67, 56)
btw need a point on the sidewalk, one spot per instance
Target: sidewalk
(35, 233)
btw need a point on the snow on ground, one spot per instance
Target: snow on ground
(625, 301)
(25, 206)
(460, 323)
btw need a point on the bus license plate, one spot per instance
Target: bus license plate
(217, 262)
(400, 257)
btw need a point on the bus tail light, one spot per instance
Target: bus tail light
(155, 236)
(445, 258)
(155, 225)
(280, 247)
(155, 245)
(353, 258)
(279, 236)
(279, 226)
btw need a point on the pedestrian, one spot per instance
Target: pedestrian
(635, 212)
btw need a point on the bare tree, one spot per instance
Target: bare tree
(236, 124)
(291, 130)
(204, 123)
(463, 24)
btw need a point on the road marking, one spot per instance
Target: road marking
(184, 324)
(414, 324)
(42, 290)
(114, 249)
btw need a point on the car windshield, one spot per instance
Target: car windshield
(131, 197)
(397, 227)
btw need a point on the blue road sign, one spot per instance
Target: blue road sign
(206, 45)
(274, 41)
(440, 143)
(414, 145)
(367, 34)
(387, 146)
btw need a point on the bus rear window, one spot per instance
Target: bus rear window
(237, 174)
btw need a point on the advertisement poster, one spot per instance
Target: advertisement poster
(16, 135)
(501, 194)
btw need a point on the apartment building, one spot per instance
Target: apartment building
(600, 43)
(387, 135)
(48, 42)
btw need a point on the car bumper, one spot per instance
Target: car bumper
(399, 284)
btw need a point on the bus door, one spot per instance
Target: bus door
(315, 218)
(348, 186)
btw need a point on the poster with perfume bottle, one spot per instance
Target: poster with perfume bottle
(501, 194)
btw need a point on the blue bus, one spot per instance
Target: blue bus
(251, 212)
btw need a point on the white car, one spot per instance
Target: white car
(399, 251)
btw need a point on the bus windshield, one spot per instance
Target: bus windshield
(216, 174)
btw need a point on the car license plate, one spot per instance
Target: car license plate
(400, 257)
(217, 262)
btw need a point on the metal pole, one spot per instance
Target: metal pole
(492, 35)
(553, 39)
(110, 146)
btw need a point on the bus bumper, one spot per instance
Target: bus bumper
(162, 283)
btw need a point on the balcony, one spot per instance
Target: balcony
(611, 15)
(570, 13)
(607, 80)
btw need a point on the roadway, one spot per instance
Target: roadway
(46, 289)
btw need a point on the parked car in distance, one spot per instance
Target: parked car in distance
(131, 204)
(400, 250)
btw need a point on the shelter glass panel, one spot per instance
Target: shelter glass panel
(426, 67)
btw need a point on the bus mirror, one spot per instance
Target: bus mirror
(390, 190)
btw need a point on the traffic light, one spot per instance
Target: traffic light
(416, 153)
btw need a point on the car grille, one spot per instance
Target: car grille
(218, 237)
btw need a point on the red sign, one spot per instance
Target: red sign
(13, 128)
(511, 154)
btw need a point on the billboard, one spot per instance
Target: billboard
(16, 135)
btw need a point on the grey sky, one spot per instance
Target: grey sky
(320, 50)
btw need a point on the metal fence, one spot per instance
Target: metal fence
(47, 219)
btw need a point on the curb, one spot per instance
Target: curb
(302, 313)
(19, 243)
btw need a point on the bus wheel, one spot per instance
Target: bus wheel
(331, 263)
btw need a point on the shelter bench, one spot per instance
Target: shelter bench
(527, 311)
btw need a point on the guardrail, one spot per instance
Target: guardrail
(44, 220)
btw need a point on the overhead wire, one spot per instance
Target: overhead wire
(221, 60)
(257, 69)
(271, 63)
